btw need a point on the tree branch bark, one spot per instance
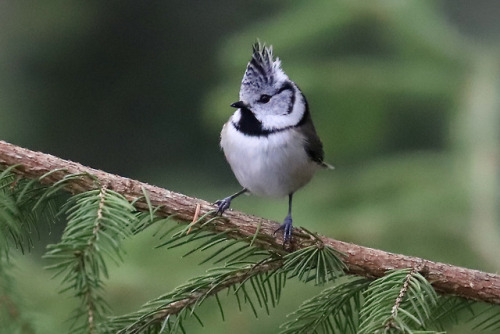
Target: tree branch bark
(364, 261)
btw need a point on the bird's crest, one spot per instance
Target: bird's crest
(262, 70)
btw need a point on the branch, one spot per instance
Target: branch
(242, 276)
(368, 262)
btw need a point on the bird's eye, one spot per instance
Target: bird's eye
(264, 98)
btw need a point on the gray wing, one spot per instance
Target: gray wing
(314, 146)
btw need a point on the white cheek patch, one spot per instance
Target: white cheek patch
(283, 119)
(281, 103)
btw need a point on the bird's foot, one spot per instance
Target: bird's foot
(287, 229)
(223, 205)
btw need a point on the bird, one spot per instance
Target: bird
(270, 141)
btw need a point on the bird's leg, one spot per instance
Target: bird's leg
(223, 204)
(287, 223)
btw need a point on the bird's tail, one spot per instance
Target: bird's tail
(326, 165)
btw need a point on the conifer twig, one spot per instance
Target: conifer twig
(364, 261)
(397, 304)
(175, 307)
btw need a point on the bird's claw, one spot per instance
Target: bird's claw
(287, 228)
(222, 205)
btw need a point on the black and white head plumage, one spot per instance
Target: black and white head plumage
(270, 101)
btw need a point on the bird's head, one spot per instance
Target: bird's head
(267, 91)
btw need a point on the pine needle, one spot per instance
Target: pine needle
(401, 300)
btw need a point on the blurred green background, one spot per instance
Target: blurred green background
(404, 94)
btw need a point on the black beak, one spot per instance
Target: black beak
(239, 104)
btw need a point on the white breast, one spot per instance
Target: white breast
(275, 166)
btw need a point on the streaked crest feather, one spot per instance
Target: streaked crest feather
(262, 68)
